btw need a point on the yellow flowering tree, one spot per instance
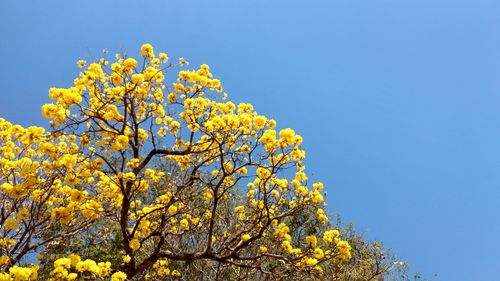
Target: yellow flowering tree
(181, 174)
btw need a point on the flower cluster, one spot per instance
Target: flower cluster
(87, 268)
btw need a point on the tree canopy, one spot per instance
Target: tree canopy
(139, 178)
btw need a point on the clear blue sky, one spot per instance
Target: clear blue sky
(398, 100)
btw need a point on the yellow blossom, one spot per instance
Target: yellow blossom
(311, 240)
(172, 209)
(118, 276)
(134, 244)
(245, 237)
(10, 224)
(147, 51)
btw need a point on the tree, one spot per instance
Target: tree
(172, 178)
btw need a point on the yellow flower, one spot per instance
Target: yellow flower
(311, 261)
(318, 253)
(87, 265)
(147, 51)
(176, 273)
(10, 224)
(311, 240)
(23, 214)
(76, 195)
(259, 122)
(116, 78)
(172, 97)
(318, 186)
(316, 197)
(129, 64)
(172, 210)
(120, 143)
(344, 249)
(126, 259)
(239, 209)
(245, 237)
(300, 176)
(184, 224)
(174, 127)
(178, 87)
(163, 57)
(75, 259)
(63, 262)
(330, 235)
(137, 78)
(272, 123)
(63, 214)
(118, 276)
(4, 260)
(155, 62)
(263, 173)
(134, 244)
(275, 193)
(22, 273)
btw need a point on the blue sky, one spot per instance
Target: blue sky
(398, 100)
